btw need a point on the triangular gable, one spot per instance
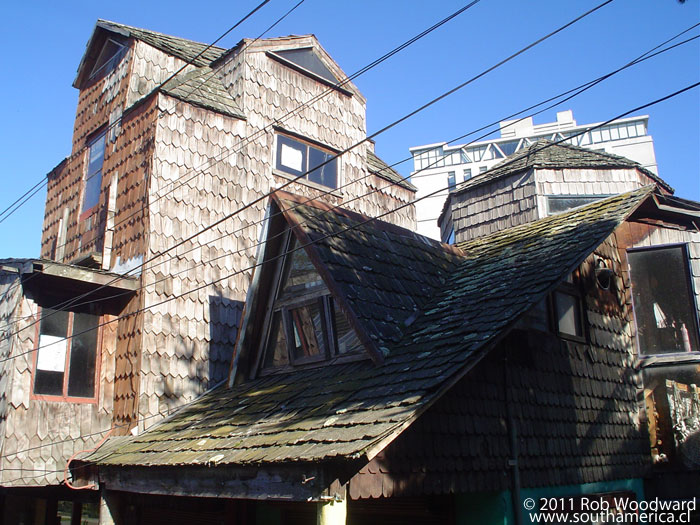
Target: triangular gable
(305, 319)
(105, 31)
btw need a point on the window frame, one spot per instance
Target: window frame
(302, 176)
(319, 294)
(666, 358)
(94, 138)
(64, 397)
(572, 289)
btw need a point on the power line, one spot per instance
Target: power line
(44, 180)
(361, 224)
(576, 91)
(394, 210)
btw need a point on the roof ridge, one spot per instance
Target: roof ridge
(157, 33)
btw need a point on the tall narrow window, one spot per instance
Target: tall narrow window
(93, 177)
(67, 354)
(451, 180)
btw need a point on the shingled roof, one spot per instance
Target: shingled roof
(354, 410)
(382, 169)
(202, 87)
(547, 154)
(187, 50)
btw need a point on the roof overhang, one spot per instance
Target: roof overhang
(54, 283)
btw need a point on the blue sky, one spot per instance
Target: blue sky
(44, 41)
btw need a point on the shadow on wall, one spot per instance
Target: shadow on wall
(224, 322)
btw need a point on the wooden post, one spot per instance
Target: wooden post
(332, 512)
(109, 508)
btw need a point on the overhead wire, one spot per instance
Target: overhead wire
(44, 180)
(576, 91)
(360, 142)
(361, 224)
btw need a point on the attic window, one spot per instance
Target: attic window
(305, 325)
(110, 54)
(306, 58)
(307, 62)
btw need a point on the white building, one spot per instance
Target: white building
(439, 166)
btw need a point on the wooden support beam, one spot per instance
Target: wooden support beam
(333, 512)
(109, 508)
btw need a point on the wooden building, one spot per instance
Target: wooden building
(382, 377)
(171, 137)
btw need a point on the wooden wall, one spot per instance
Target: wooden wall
(493, 206)
(39, 436)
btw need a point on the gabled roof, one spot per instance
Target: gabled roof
(187, 50)
(557, 155)
(354, 410)
(202, 87)
(382, 169)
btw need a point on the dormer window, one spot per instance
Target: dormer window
(305, 325)
(111, 53)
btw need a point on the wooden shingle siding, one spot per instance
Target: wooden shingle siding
(151, 67)
(198, 177)
(37, 437)
(570, 181)
(495, 206)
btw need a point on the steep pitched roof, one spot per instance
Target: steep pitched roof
(182, 48)
(382, 169)
(557, 155)
(202, 87)
(354, 410)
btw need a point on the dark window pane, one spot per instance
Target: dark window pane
(451, 180)
(307, 59)
(49, 383)
(93, 178)
(556, 204)
(307, 332)
(276, 354)
(291, 156)
(54, 322)
(326, 174)
(508, 148)
(51, 353)
(81, 374)
(663, 305)
(345, 335)
(568, 312)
